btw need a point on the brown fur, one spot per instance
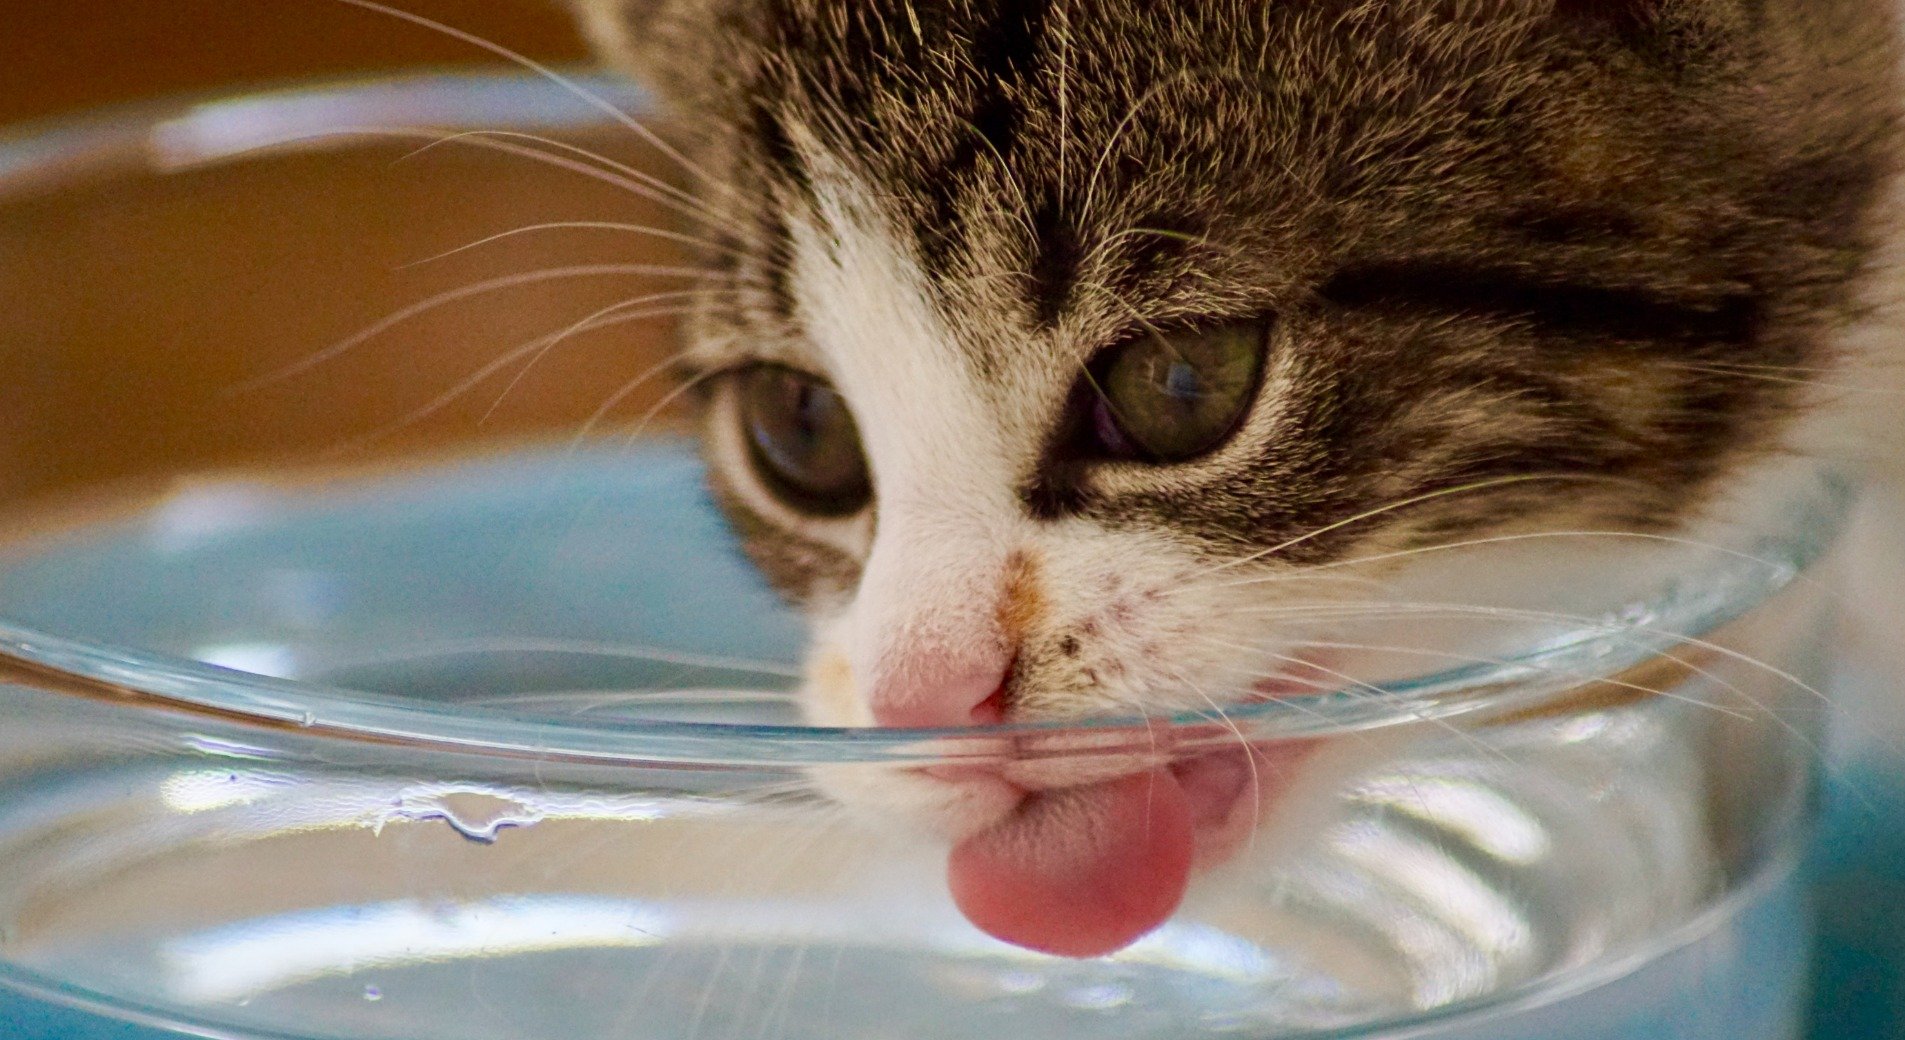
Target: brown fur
(1499, 238)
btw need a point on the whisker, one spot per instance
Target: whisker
(572, 148)
(1370, 690)
(622, 393)
(601, 319)
(588, 647)
(606, 170)
(1683, 662)
(1556, 672)
(782, 1006)
(1771, 565)
(578, 225)
(1691, 666)
(537, 348)
(1256, 779)
(633, 187)
(487, 285)
(1064, 35)
(1519, 478)
(1606, 625)
(1805, 740)
(1303, 576)
(641, 424)
(1089, 199)
(1130, 232)
(579, 702)
(1023, 217)
(589, 97)
(1786, 380)
(1831, 369)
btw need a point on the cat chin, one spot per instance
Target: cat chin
(908, 798)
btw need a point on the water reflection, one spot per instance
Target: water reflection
(243, 960)
(1480, 815)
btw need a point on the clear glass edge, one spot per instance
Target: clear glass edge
(1522, 680)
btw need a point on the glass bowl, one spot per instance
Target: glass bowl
(337, 704)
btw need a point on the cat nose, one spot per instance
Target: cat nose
(932, 689)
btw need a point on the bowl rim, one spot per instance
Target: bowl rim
(196, 131)
(201, 128)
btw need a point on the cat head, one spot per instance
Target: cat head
(1057, 343)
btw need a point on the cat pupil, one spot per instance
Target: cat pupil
(809, 414)
(1170, 397)
(803, 441)
(1183, 382)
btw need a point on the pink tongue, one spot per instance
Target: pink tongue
(1080, 872)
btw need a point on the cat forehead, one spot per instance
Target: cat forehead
(887, 328)
(1105, 156)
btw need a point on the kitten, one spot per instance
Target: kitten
(1045, 323)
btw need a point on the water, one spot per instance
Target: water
(1623, 869)
(1737, 978)
(1552, 894)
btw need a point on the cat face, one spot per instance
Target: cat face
(1057, 343)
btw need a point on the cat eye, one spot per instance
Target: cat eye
(802, 440)
(1171, 396)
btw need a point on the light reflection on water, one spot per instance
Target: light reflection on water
(253, 957)
(1480, 815)
(248, 959)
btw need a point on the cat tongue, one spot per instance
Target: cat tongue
(1080, 871)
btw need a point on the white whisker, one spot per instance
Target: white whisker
(1605, 625)
(1573, 675)
(538, 347)
(636, 181)
(485, 286)
(1369, 689)
(1256, 778)
(1520, 478)
(473, 140)
(1721, 370)
(631, 172)
(622, 393)
(641, 424)
(607, 317)
(1507, 539)
(587, 96)
(577, 225)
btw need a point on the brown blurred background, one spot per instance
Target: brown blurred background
(137, 313)
(61, 55)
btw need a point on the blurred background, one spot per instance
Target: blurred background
(154, 321)
(71, 55)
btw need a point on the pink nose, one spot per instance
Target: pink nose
(933, 690)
